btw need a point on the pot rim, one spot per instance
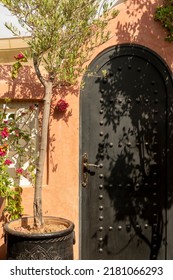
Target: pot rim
(68, 230)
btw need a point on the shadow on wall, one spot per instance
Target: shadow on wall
(140, 27)
(26, 86)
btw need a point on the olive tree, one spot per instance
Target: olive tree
(62, 35)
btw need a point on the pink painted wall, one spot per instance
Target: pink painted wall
(134, 24)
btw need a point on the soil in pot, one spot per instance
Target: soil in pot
(44, 229)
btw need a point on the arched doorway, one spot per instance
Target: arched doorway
(126, 156)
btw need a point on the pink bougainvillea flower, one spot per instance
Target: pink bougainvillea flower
(19, 56)
(3, 150)
(5, 132)
(62, 105)
(7, 162)
(19, 171)
(2, 153)
(4, 147)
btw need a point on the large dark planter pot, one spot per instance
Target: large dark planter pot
(43, 246)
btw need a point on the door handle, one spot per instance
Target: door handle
(90, 165)
(85, 168)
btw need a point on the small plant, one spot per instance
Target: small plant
(164, 14)
(16, 156)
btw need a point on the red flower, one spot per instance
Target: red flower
(19, 56)
(5, 132)
(3, 150)
(7, 162)
(2, 153)
(62, 105)
(19, 171)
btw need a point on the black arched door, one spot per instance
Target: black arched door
(126, 156)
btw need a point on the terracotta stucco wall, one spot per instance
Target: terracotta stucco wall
(61, 191)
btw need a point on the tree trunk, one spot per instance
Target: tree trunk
(37, 207)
